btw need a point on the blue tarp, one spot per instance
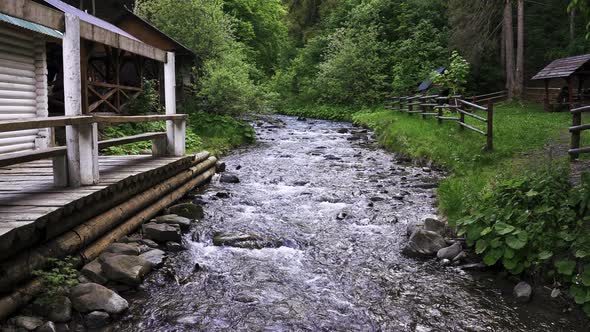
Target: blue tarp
(425, 85)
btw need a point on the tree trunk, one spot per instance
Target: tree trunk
(519, 84)
(509, 39)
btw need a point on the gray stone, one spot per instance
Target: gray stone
(155, 257)
(93, 272)
(174, 246)
(187, 210)
(229, 178)
(173, 219)
(123, 249)
(460, 257)
(162, 232)
(62, 327)
(47, 327)
(450, 252)
(555, 293)
(412, 226)
(150, 243)
(238, 240)
(342, 130)
(28, 323)
(129, 270)
(220, 167)
(91, 297)
(96, 319)
(59, 310)
(523, 292)
(130, 238)
(434, 225)
(445, 262)
(424, 243)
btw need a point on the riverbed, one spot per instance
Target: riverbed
(334, 208)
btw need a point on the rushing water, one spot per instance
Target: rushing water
(339, 206)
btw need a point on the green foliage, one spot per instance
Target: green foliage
(148, 100)
(326, 112)
(57, 279)
(455, 77)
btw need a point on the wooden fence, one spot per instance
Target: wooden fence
(576, 132)
(435, 106)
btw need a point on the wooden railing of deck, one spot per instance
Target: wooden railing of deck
(576, 132)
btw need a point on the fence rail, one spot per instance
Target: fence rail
(435, 106)
(576, 132)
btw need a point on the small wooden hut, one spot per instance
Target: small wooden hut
(574, 70)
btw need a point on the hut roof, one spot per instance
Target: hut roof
(425, 85)
(562, 68)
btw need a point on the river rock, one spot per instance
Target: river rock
(223, 195)
(174, 246)
(342, 131)
(47, 327)
(155, 257)
(162, 232)
(129, 270)
(412, 226)
(59, 310)
(229, 178)
(93, 272)
(424, 243)
(123, 249)
(96, 319)
(91, 297)
(187, 210)
(434, 225)
(450, 252)
(522, 292)
(173, 219)
(239, 240)
(27, 322)
(220, 167)
(149, 243)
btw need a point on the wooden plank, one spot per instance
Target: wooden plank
(33, 12)
(580, 127)
(465, 102)
(472, 115)
(131, 139)
(472, 128)
(38, 123)
(137, 118)
(581, 109)
(21, 157)
(115, 86)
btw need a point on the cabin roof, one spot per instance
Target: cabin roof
(562, 68)
(64, 7)
(425, 85)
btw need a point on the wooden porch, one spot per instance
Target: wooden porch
(33, 210)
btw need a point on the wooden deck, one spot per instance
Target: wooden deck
(33, 210)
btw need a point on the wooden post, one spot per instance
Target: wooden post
(174, 129)
(461, 120)
(410, 107)
(440, 102)
(546, 100)
(490, 131)
(422, 107)
(576, 120)
(89, 172)
(72, 95)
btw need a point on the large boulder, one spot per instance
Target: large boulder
(412, 226)
(162, 232)
(450, 252)
(435, 225)
(173, 219)
(424, 243)
(91, 297)
(155, 257)
(240, 240)
(93, 272)
(229, 178)
(96, 319)
(59, 310)
(123, 249)
(129, 270)
(187, 210)
(523, 292)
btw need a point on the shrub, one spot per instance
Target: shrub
(57, 279)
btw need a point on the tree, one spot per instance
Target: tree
(519, 84)
(509, 48)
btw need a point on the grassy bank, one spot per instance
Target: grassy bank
(324, 112)
(214, 133)
(519, 129)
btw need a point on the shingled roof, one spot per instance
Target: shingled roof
(562, 68)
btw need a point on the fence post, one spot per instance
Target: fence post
(410, 107)
(490, 132)
(440, 103)
(422, 107)
(461, 119)
(575, 143)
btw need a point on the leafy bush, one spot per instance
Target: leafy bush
(337, 113)
(455, 77)
(148, 100)
(536, 223)
(57, 279)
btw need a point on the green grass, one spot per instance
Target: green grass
(215, 133)
(520, 132)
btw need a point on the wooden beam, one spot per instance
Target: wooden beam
(130, 139)
(106, 37)
(37, 123)
(137, 118)
(26, 156)
(33, 12)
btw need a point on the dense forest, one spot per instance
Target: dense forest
(252, 55)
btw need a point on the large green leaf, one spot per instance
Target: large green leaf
(581, 294)
(515, 242)
(565, 266)
(585, 276)
(503, 228)
(492, 257)
(481, 246)
(582, 253)
(545, 255)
